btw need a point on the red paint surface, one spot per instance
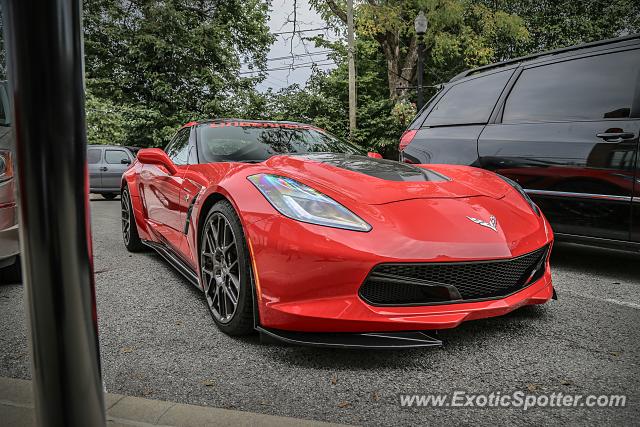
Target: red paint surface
(309, 275)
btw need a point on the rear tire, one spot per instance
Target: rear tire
(11, 274)
(129, 228)
(109, 196)
(225, 270)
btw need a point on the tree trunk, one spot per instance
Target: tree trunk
(400, 72)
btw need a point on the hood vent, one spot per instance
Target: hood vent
(388, 170)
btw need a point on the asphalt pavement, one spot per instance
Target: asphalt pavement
(159, 342)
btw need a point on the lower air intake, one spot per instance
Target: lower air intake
(427, 283)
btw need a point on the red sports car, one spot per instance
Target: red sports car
(302, 236)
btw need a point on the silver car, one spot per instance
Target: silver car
(107, 163)
(9, 241)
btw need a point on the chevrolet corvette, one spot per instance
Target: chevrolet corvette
(304, 237)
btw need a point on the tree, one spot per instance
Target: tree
(559, 23)
(161, 63)
(324, 101)
(461, 34)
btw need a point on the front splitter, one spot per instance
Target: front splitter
(349, 340)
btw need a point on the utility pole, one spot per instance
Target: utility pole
(421, 28)
(420, 100)
(352, 68)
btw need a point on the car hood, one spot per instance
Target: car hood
(378, 181)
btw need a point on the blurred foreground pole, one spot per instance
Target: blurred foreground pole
(45, 70)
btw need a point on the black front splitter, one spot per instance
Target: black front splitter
(349, 340)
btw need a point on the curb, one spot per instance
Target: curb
(16, 409)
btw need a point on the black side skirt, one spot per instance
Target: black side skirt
(175, 261)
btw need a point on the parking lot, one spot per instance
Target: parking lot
(158, 341)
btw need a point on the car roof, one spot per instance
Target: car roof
(630, 40)
(133, 149)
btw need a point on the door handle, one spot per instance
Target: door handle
(104, 169)
(615, 137)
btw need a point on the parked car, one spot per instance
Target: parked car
(107, 163)
(293, 232)
(9, 241)
(563, 124)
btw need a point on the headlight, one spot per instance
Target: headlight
(302, 203)
(523, 193)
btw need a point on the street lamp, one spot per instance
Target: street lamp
(421, 28)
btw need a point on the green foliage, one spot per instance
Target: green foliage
(323, 102)
(560, 23)
(153, 65)
(461, 34)
(105, 121)
(478, 37)
(404, 112)
(125, 124)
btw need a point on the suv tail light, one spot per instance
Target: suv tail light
(406, 138)
(6, 167)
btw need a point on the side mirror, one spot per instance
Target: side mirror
(155, 156)
(374, 155)
(125, 161)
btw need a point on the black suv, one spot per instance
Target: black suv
(564, 124)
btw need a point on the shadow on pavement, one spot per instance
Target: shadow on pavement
(613, 264)
(101, 199)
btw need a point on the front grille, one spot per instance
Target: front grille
(426, 283)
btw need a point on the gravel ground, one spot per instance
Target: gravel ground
(158, 341)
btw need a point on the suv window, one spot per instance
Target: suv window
(178, 149)
(115, 156)
(593, 88)
(93, 155)
(469, 102)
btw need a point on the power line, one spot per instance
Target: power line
(297, 55)
(301, 31)
(293, 67)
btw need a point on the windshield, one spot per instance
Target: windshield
(257, 141)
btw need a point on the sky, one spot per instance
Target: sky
(307, 18)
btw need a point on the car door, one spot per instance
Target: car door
(162, 191)
(635, 201)
(116, 162)
(568, 133)
(94, 164)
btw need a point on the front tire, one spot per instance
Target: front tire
(225, 270)
(129, 229)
